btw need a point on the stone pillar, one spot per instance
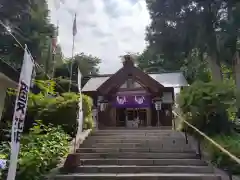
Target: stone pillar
(2, 99)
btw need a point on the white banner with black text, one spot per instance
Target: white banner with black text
(20, 112)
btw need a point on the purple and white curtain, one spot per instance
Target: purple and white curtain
(132, 101)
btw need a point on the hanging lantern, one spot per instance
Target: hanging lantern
(158, 105)
(102, 105)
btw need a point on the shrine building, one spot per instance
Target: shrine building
(132, 98)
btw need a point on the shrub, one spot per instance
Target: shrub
(59, 109)
(40, 151)
(64, 85)
(56, 109)
(62, 110)
(87, 105)
(211, 107)
(87, 112)
(232, 144)
(204, 105)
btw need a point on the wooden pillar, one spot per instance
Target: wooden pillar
(149, 116)
(113, 116)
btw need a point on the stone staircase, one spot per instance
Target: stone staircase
(137, 155)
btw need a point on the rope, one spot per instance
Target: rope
(233, 157)
(36, 64)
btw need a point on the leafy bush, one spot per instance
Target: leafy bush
(232, 144)
(204, 105)
(87, 112)
(57, 109)
(40, 151)
(60, 110)
(211, 108)
(64, 85)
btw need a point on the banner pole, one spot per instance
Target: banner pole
(20, 111)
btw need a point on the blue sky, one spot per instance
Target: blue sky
(106, 28)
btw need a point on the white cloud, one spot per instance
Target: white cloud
(106, 28)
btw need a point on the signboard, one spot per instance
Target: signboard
(132, 101)
(20, 112)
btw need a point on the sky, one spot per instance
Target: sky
(106, 28)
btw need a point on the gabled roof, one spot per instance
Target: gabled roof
(174, 79)
(129, 71)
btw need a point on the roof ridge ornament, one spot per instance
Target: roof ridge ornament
(128, 60)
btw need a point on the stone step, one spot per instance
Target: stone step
(110, 150)
(144, 162)
(129, 144)
(149, 128)
(135, 145)
(153, 138)
(142, 176)
(149, 141)
(139, 155)
(135, 133)
(145, 169)
(135, 130)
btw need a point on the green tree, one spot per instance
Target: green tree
(28, 21)
(149, 62)
(87, 64)
(195, 67)
(180, 26)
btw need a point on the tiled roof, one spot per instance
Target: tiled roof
(166, 79)
(170, 79)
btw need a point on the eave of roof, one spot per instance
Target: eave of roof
(166, 79)
(149, 73)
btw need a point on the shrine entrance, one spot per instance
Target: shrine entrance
(132, 110)
(131, 117)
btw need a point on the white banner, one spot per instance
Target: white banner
(20, 112)
(80, 114)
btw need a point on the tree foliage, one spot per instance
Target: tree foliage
(56, 109)
(28, 21)
(220, 159)
(204, 105)
(180, 26)
(87, 64)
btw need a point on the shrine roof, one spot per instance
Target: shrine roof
(174, 79)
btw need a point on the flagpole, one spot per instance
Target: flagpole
(73, 45)
(54, 49)
(71, 64)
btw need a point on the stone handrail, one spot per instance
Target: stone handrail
(233, 157)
